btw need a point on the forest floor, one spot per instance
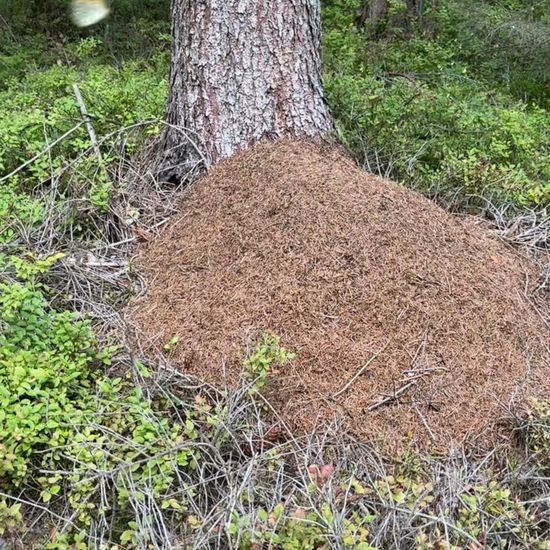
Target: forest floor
(112, 441)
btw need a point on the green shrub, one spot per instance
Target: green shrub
(68, 431)
(423, 515)
(419, 109)
(46, 367)
(17, 208)
(299, 530)
(42, 108)
(10, 516)
(37, 111)
(506, 44)
(267, 354)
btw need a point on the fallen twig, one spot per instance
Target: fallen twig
(43, 152)
(392, 397)
(360, 371)
(425, 422)
(88, 122)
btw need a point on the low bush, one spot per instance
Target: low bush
(417, 108)
(36, 112)
(71, 436)
(40, 119)
(17, 208)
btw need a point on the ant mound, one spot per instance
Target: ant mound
(408, 324)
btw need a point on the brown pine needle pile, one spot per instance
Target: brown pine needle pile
(408, 323)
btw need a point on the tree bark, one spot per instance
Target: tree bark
(373, 11)
(416, 7)
(377, 10)
(242, 70)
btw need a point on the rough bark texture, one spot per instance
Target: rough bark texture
(243, 70)
(377, 10)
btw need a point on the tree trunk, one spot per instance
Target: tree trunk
(242, 70)
(374, 11)
(377, 10)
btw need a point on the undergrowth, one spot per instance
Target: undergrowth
(102, 449)
(448, 105)
(74, 438)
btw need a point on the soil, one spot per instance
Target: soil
(409, 324)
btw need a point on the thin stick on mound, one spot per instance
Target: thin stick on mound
(391, 398)
(360, 371)
(293, 239)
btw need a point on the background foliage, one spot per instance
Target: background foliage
(453, 103)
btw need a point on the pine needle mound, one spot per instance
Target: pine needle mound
(409, 324)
